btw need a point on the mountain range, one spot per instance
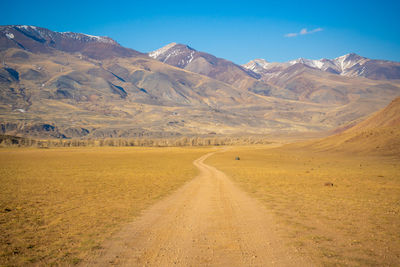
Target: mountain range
(283, 80)
(68, 85)
(350, 65)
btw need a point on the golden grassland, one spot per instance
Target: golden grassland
(58, 204)
(355, 222)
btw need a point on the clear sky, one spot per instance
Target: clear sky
(279, 30)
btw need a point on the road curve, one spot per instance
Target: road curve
(207, 222)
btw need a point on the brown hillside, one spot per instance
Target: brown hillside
(378, 134)
(387, 117)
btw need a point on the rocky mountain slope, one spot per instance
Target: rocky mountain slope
(329, 81)
(185, 57)
(319, 81)
(40, 40)
(301, 82)
(68, 85)
(142, 94)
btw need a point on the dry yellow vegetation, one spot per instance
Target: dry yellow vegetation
(355, 222)
(58, 204)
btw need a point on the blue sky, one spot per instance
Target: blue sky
(235, 30)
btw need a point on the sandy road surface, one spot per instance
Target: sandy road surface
(207, 222)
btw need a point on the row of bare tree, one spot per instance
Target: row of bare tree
(144, 142)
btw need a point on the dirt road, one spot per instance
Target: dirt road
(207, 222)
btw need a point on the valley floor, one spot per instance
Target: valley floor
(280, 206)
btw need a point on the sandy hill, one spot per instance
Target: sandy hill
(378, 134)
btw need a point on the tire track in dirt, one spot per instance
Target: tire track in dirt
(207, 222)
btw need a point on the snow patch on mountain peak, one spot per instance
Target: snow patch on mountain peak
(314, 63)
(10, 35)
(26, 27)
(347, 61)
(162, 50)
(260, 61)
(84, 37)
(256, 64)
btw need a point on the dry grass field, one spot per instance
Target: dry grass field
(57, 205)
(355, 222)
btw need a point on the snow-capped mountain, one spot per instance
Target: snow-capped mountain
(185, 57)
(37, 39)
(341, 65)
(178, 55)
(257, 65)
(351, 65)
